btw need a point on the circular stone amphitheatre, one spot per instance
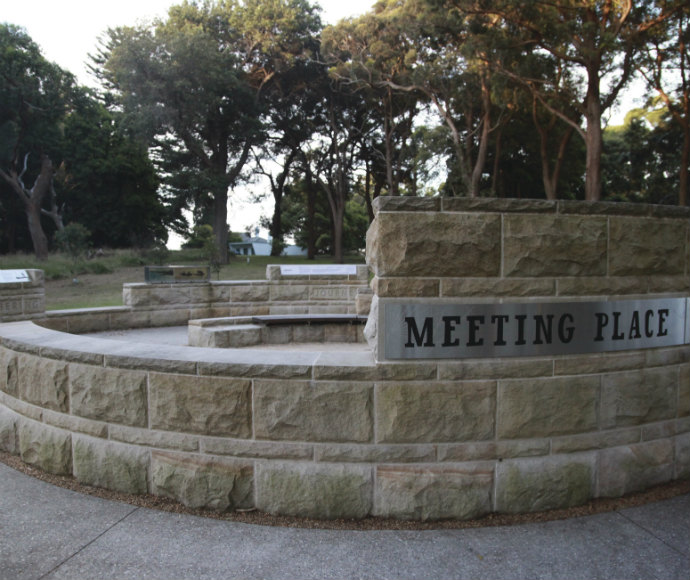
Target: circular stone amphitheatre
(519, 356)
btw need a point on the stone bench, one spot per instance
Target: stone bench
(309, 319)
(244, 331)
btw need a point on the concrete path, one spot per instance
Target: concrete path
(49, 532)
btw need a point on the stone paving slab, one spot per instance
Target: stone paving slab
(49, 532)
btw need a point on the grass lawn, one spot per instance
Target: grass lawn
(98, 282)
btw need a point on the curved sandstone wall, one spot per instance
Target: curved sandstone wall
(343, 435)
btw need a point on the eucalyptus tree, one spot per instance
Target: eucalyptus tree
(666, 69)
(598, 41)
(34, 100)
(374, 55)
(197, 85)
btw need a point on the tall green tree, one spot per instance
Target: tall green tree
(107, 181)
(599, 42)
(666, 69)
(34, 100)
(196, 82)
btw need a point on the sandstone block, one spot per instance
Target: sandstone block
(547, 407)
(45, 447)
(432, 493)
(403, 287)
(206, 405)
(289, 292)
(111, 465)
(43, 382)
(253, 293)
(8, 372)
(495, 369)
(313, 411)
(375, 453)
(483, 287)
(603, 286)
(8, 431)
(200, 482)
(537, 484)
(642, 246)
(684, 392)
(409, 244)
(545, 245)
(682, 456)
(636, 397)
(323, 491)
(116, 396)
(598, 363)
(635, 467)
(435, 412)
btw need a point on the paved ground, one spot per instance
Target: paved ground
(48, 532)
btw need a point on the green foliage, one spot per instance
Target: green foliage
(74, 240)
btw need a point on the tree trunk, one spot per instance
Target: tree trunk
(32, 200)
(593, 139)
(684, 162)
(220, 223)
(277, 225)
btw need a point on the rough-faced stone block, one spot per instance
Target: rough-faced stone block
(409, 244)
(43, 382)
(8, 372)
(683, 456)
(636, 397)
(636, 467)
(432, 493)
(289, 292)
(684, 392)
(45, 447)
(313, 411)
(546, 407)
(200, 482)
(253, 293)
(435, 412)
(116, 396)
(110, 465)
(406, 287)
(8, 431)
(483, 287)
(537, 484)
(644, 247)
(554, 245)
(323, 491)
(206, 405)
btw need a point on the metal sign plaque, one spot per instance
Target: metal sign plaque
(14, 276)
(318, 270)
(455, 331)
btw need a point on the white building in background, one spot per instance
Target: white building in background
(258, 246)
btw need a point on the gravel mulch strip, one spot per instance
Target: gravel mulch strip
(596, 506)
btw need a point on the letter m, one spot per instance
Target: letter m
(426, 338)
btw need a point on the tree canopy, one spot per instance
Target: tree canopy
(415, 97)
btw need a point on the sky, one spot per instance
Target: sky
(68, 30)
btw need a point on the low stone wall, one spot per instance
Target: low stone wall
(335, 434)
(161, 304)
(338, 435)
(22, 295)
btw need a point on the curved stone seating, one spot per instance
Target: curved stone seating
(344, 435)
(246, 331)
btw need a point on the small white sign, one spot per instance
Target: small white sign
(14, 276)
(319, 270)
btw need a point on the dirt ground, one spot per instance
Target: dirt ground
(658, 493)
